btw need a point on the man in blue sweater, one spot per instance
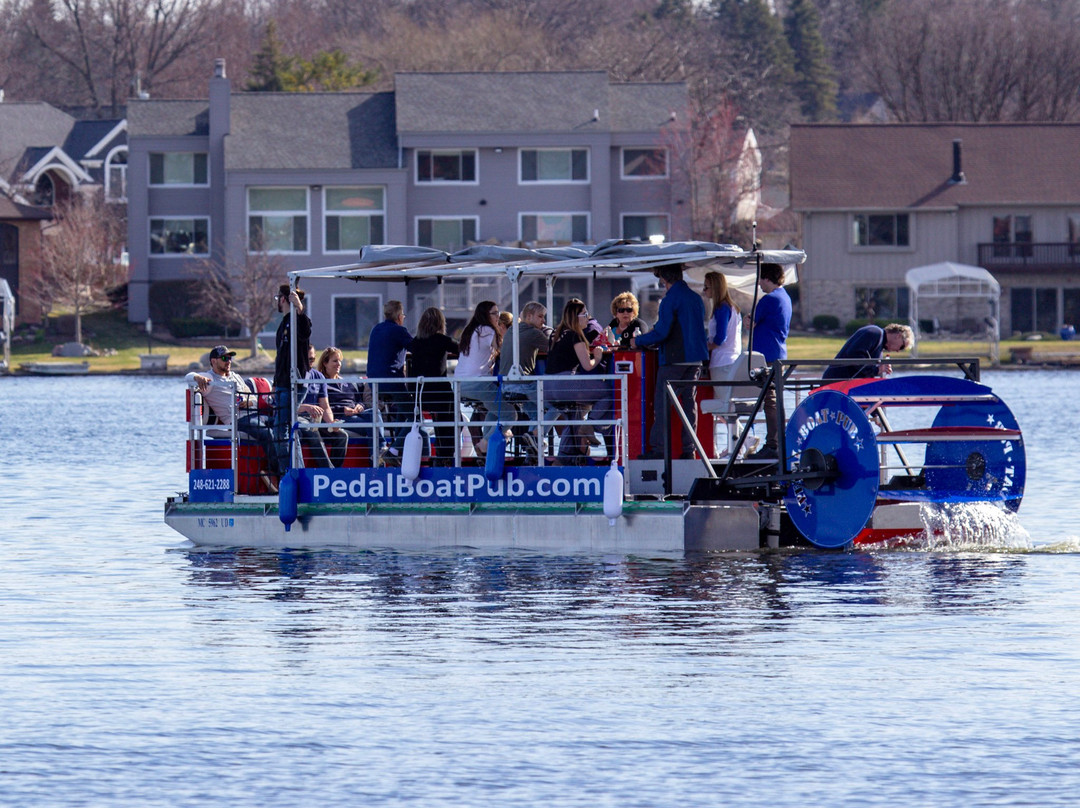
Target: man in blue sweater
(386, 360)
(868, 343)
(680, 334)
(772, 319)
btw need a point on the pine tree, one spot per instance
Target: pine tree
(814, 82)
(270, 68)
(760, 34)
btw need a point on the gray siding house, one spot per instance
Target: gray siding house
(444, 160)
(877, 200)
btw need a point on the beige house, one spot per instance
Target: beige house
(876, 200)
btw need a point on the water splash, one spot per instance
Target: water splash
(966, 526)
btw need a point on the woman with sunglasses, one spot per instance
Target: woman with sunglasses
(570, 354)
(625, 323)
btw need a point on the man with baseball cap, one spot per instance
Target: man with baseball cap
(223, 388)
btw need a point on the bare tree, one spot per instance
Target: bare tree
(80, 254)
(974, 60)
(110, 46)
(711, 157)
(241, 292)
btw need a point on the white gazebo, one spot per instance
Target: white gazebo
(961, 287)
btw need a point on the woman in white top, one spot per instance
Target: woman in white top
(725, 334)
(478, 352)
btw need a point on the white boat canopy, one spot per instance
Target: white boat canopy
(390, 263)
(959, 284)
(403, 263)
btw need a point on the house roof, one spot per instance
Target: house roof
(868, 166)
(13, 210)
(557, 101)
(311, 131)
(28, 126)
(85, 135)
(155, 117)
(647, 107)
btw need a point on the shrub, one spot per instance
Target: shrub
(826, 322)
(185, 327)
(173, 300)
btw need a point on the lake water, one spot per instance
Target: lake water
(137, 671)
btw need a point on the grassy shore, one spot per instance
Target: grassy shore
(122, 343)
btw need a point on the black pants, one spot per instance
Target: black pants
(687, 397)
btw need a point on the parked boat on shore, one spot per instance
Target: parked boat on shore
(56, 368)
(832, 485)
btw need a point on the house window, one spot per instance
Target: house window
(354, 218)
(179, 236)
(1012, 236)
(1034, 309)
(558, 227)
(446, 165)
(554, 165)
(1070, 307)
(178, 168)
(354, 317)
(443, 233)
(641, 226)
(877, 302)
(116, 174)
(1074, 234)
(880, 230)
(278, 220)
(644, 164)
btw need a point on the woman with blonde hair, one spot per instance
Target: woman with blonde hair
(625, 323)
(725, 339)
(346, 398)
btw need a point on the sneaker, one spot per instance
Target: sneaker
(764, 453)
(388, 458)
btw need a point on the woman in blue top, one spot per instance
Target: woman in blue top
(725, 334)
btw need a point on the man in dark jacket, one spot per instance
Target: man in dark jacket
(868, 343)
(386, 360)
(680, 334)
(286, 347)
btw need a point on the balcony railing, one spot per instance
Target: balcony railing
(1029, 256)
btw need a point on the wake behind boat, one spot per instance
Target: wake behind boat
(844, 474)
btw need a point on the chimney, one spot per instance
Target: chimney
(957, 177)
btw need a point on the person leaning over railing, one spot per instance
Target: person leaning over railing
(869, 342)
(226, 392)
